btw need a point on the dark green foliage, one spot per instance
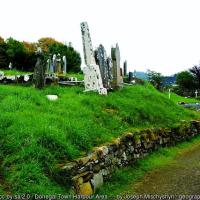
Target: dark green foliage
(16, 53)
(155, 79)
(73, 57)
(196, 72)
(22, 54)
(3, 56)
(186, 83)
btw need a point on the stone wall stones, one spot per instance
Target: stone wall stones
(87, 174)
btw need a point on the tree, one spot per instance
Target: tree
(1, 40)
(51, 46)
(16, 53)
(196, 72)
(3, 55)
(155, 79)
(30, 56)
(186, 83)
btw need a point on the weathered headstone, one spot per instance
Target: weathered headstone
(109, 63)
(92, 75)
(54, 63)
(117, 79)
(39, 72)
(101, 60)
(125, 68)
(130, 76)
(58, 64)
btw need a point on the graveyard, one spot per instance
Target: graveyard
(92, 108)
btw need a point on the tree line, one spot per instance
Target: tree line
(187, 82)
(22, 54)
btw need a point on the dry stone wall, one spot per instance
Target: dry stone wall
(87, 174)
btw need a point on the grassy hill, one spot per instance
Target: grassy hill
(35, 133)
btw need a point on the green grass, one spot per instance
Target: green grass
(123, 179)
(36, 134)
(79, 76)
(176, 98)
(14, 72)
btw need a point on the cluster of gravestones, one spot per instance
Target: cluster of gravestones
(101, 73)
(56, 65)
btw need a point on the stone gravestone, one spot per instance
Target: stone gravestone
(64, 65)
(130, 76)
(58, 64)
(39, 72)
(54, 63)
(48, 66)
(125, 68)
(101, 60)
(109, 63)
(117, 79)
(92, 75)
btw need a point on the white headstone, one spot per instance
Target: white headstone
(1, 75)
(10, 65)
(64, 65)
(196, 93)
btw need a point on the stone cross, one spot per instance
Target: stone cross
(196, 93)
(92, 75)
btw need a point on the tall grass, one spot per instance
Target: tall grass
(35, 133)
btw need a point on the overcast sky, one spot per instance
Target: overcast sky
(161, 35)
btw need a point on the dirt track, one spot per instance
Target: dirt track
(181, 177)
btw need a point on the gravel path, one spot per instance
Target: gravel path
(182, 177)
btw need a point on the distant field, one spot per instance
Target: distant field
(35, 133)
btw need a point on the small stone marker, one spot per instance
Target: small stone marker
(10, 65)
(26, 78)
(196, 94)
(52, 97)
(1, 75)
(169, 93)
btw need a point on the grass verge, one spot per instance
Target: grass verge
(123, 179)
